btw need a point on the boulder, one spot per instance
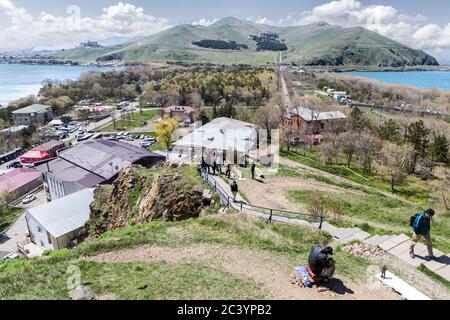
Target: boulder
(81, 293)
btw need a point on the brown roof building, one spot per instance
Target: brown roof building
(183, 113)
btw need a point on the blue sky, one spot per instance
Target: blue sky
(29, 23)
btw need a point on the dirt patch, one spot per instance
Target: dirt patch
(273, 193)
(107, 296)
(273, 271)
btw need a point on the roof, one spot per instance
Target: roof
(64, 215)
(222, 134)
(50, 145)
(185, 109)
(35, 154)
(34, 108)
(56, 122)
(310, 115)
(69, 172)
(17, 178)
(95, 161)
(14, 129)
(104, 157)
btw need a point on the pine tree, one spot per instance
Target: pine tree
(439, 149)
(418, 137)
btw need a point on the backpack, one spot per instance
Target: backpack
(413, 219)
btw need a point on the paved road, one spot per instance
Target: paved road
(17, 232)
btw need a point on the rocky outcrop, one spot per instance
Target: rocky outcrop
(139, 196)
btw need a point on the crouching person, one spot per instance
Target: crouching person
(321, 264)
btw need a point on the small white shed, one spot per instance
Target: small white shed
(54, 225)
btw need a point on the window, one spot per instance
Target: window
(39, 229)
(42, 244)
(49, 238)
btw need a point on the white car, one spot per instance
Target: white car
(11, 256)
(28, 199)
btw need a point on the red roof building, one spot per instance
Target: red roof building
(20, 181)
(43, 152)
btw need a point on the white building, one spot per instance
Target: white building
(220, 136)
(54, 225)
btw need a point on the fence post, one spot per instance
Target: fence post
(321, 222)
(242, 205)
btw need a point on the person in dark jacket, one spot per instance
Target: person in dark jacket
(321, 263)
(234, 190)
(228, 171)
(422, 227)
(252, 169)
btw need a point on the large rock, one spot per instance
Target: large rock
(81, 293)
(139, 196)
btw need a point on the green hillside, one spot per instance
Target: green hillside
(315, 44)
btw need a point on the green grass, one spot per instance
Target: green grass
(379, 209)
(435, 277)
(413, 190)
(133, 121)
(46, 278)
(8, 216)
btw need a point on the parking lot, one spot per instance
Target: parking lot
(17, 232)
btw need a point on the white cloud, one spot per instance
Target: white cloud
(204, 22)
(47, 30)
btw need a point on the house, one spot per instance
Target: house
(339, 95)
(45, 151)
(91, 163)
(90, 45)
(313, 121)
(37, 114)
(54, 225)
(183, 113)
(13, 131)
(221, 136)
(20, 182)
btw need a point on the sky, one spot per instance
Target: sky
(65, 23)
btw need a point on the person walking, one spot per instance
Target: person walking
(214, 167)
(234, 190)
(228, 171)
(252, 169)
(422, 227)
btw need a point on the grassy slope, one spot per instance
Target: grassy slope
(46, 278)
(363, 47)
(8, 216)
(374, 207)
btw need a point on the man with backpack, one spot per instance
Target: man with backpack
(421, 224)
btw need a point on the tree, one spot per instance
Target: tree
(367, 147)
(347, 145)
(357, 120)
(165, 129)
(7, 197)
(268, 117)
(418, 136)
(203, 117)
(390, 130)
(439, 149)
(394, 162)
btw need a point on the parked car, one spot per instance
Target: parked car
(28, 199)
(11, 256)
(15, 164)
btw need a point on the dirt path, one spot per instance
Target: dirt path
(272, 271)
(273, 193)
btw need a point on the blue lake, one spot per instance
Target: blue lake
(421, 79)
(20, 80)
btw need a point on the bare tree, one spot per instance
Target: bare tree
(394, 162)
(268, 117)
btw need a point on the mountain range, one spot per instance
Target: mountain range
(233, 41)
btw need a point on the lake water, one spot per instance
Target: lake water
(421, 79)
(20, 80)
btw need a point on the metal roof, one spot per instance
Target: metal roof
(32, 109)
(310, 115)
(17, 178)
(64, 215)
(105, 158)
(222, 134)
